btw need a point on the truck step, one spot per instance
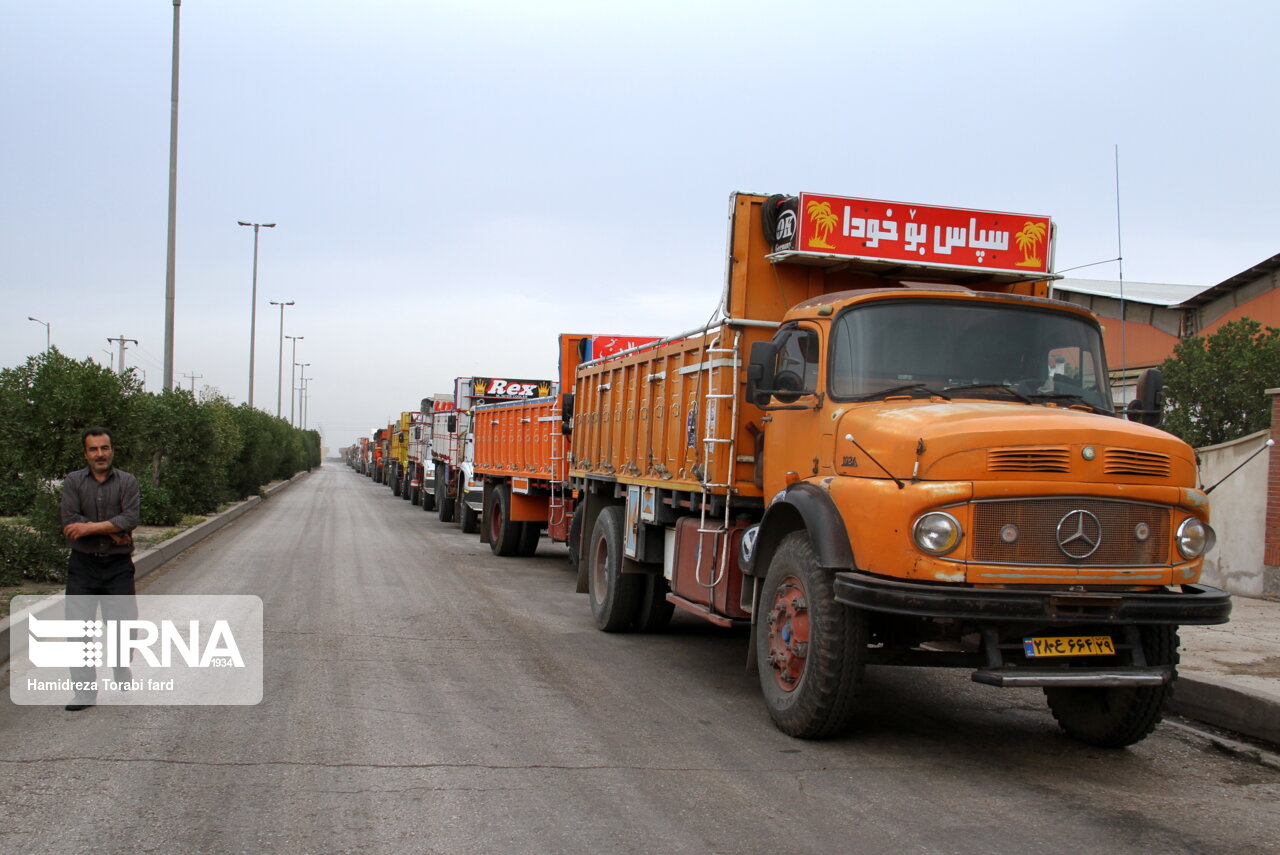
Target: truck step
(1013, 677)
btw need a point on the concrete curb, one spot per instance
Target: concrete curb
(151, 560)
(1214, 700)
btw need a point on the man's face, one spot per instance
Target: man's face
(97, 450)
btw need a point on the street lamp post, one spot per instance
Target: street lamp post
(170, 275)
(253, 311)
(303, 406)
(302, 385)
(280, 368)
(293, 370)
(46, 330)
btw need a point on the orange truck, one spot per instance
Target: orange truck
(520, 450)
(456, 491)
(893, 448)
(380, 451)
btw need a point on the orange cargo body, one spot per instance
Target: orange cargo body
(519, 440)
(663, 416)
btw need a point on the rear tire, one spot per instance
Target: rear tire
(655, 610)
(1117, 716)
(530, 533)
(810, 650)
(396, 483)
(615, 596)
(444, 502)
(504, 535)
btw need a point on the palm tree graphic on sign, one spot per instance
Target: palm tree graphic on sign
(1028, 240)
(824, 222)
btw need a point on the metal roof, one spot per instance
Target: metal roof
(1153, 293)
(1244, 277)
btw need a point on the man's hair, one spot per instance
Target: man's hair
(97, 431)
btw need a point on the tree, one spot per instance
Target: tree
(1215, 386)
(48, 401)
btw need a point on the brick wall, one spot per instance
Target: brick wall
(1271, 553)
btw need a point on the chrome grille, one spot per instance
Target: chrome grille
(1029, 459)
(1037, 521)
(1124, 461)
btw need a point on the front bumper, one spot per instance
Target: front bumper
(1200, 605)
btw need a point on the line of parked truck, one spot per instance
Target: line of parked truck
(891, 448)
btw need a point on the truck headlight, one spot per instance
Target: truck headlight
(937, 533)
(1195, 538)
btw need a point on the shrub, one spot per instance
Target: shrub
(16, 495)
(45, 515)
(158, 507)
(27, 555)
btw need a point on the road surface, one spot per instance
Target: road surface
(423, 695)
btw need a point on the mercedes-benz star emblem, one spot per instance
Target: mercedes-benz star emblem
(1079, 534)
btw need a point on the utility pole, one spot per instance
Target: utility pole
(121, 340)
(293, 370)
(193, 377)
(253, 310)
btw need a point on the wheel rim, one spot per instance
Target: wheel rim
(599, 576)
(788, 633)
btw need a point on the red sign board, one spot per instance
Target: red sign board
(608, 345)
(922, 234)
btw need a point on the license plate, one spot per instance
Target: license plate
(1069, 645)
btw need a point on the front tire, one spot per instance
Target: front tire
(810, 650)
(615, 596)
(444, 502)
(467, 518)
(1117, 716)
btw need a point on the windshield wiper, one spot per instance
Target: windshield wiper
(1007, 388)
(906, 387)
(1066, 396)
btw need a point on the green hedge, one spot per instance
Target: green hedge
(190, 455)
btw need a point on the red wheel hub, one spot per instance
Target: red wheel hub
(788, 633)
(495, 521)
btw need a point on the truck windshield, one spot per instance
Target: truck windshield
(1002, 352)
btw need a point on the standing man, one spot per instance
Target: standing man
(100, 509)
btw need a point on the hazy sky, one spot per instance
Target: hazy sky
(457, 183)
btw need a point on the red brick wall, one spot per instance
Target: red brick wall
(1271, 554)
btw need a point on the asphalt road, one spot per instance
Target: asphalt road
(423, 695)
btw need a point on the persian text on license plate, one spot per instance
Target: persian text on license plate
(1070, 645)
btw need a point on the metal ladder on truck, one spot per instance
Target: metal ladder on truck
(713, 441)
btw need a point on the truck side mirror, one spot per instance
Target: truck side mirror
(764, 355)
(451, 423)
(566, 413)
(1148, 405)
